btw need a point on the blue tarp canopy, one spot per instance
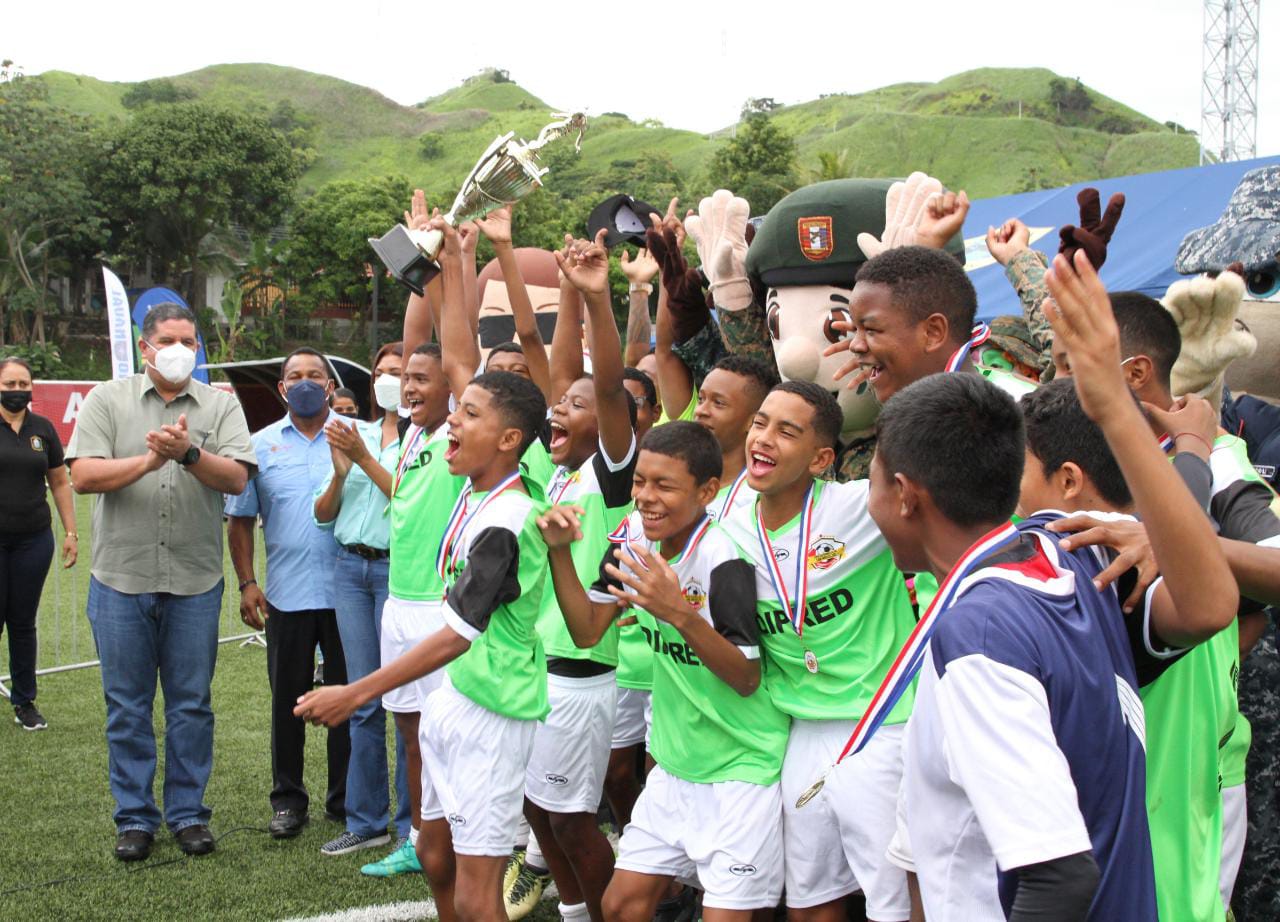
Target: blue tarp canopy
(1160, 208)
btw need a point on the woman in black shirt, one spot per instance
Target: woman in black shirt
(30, 457)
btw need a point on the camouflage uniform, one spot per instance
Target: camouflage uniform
(1257, 894)
(1025, 273)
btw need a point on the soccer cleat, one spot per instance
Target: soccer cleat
(514, 863)
(350, 842)
(525, 892)
(28, 718)
(404, 860)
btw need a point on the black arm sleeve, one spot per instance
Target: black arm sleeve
(491, 578)
(1195, 473)
(1060, 890)
(1243, 512)
(732, 600)
(615, 486)
(604, 580)
(1148, 665)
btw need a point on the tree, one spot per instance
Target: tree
(430, 146)
(832, 165)
(758, 163)
(328, 245)
(759, 105)
(49, 222)
(159, 91)
(176, 174)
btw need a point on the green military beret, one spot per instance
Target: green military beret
(811, 236)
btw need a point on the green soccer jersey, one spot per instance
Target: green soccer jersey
(857, 610)
(497, 573)
(1234, 753)
(537, 466)
(703, 730)
(603, 490)
(422, 497)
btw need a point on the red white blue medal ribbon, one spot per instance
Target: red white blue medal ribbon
(733, 494)
(410, 453)
(792, 604)
(622, 537)
(1166, 443)
(459, 520)
(911, 657)
(570, 478)
(980, 334)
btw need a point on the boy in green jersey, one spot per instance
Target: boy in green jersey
(592, 443)
(727, 401)
(712, 804)
(478, 727)
(833, 613)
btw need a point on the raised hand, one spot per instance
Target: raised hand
(452, 246)
(1192, 422)
(1008, 240)
(468, 237)
(642, 269)
(496, 225)
(942, 219)
(561, 525)
(650, 583)
(683, 285)
(904, 208)
(719, 230)
(1095, 230)
(1205, 310)
(586, 265)
(1080, 314)
(417, 216)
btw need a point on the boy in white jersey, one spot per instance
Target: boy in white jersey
(592, 442)
(478, 726)
(833, 612)
(712, 803)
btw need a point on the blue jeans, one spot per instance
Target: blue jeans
(360, 589)
(138, 637)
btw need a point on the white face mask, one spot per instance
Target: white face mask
(174, 362)
(386, 391)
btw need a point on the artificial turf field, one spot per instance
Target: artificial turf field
(56, 832)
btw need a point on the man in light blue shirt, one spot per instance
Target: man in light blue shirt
(298, 606)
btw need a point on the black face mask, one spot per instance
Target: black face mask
(15, 401)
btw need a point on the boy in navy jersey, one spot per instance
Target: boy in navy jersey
(1024, 781)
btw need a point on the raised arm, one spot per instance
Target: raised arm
(587, 268)
(458, 346)
(1199, 582)
(418, 320)
(586, 620)
(639, 272)
(566, 344)
(497, 227)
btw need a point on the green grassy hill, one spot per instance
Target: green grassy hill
(990, 131)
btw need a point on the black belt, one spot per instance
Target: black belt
(575, 668)
(368, 553)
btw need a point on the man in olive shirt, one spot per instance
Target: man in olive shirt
(160, 449)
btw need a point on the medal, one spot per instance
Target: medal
(459, 520)
(810, 662)
(792, 604)
(733, 494)
(980, 334)
(911, 657)
(411, 451)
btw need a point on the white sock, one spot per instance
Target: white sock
(575, 913)
(533, 854)
(522, 833)
(413, 836)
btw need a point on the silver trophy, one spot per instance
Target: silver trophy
(505, 173)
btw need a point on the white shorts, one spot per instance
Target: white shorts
(405, 624)
(727, 833)
(473, 764)
(836, 843)
(1235, 824)
(571, 748)
(630, 724)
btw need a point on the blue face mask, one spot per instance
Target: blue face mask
(307, 399)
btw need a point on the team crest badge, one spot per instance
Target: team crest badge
(817, 239)
(825, 553)
(694, 595)
(37, 443)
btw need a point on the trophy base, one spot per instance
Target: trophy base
(403, 258)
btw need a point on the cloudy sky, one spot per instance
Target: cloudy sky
(689, 64)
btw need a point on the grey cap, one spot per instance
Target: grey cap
(1247, 232)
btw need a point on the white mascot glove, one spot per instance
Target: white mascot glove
(719, 230)
(1205, 310)
(904, 208)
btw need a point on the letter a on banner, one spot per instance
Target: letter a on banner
(119, 326)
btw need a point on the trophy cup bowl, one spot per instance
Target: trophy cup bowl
(506, 172)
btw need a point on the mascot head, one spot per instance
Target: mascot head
(802, 264)
(497, 325)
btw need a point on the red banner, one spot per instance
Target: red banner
(60, 402)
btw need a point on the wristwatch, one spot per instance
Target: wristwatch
(191, 457)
